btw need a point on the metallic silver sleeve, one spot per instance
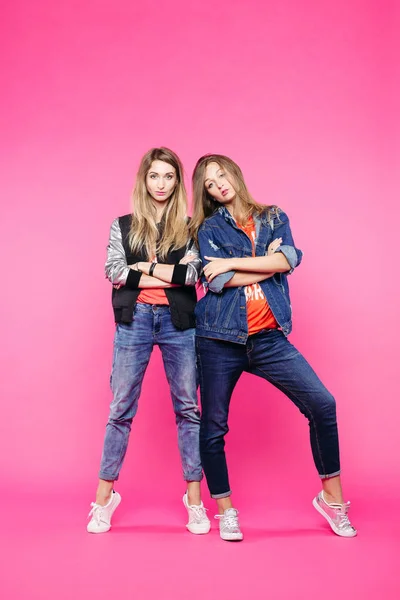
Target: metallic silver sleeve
(116, 269)
(194, 266)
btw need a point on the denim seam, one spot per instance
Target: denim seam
(201, 382)
(230, 313)
(124, 446)
(123, 449)
(187, 474)
(310, 412)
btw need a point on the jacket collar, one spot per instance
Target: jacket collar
(224, 212)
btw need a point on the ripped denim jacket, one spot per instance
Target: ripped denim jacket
(221, 314)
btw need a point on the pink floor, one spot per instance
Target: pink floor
(288, 551)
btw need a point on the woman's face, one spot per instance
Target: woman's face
(161, 181)
(218, 185)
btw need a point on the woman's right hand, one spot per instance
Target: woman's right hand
(134, 267)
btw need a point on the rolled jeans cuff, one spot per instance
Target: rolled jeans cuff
(224, 495)
(330, 475)
(193, 477)
(108, 477)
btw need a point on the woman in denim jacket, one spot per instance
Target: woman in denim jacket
(241, 325)
(153, 267)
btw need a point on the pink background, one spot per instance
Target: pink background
(303, 96)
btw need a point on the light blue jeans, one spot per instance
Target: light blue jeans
(133, 345)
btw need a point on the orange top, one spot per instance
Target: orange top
(259, 314)
(153, 295)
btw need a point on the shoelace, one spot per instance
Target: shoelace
(198, 512)
(343, 517)
(96, 512)
(341, 511)
(229, 521)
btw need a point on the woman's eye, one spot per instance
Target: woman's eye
(152, 176)
(209, 186)
(169, 176)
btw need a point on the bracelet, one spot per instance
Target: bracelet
(152, 267)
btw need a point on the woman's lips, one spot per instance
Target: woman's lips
(224, 192)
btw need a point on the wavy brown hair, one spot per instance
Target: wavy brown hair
(144, 232)
(204, 204)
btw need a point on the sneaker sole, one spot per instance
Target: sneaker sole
(234, 538)
(117, 503)
(331, 523)
(196, 531)
(192, 527)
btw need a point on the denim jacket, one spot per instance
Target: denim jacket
(221, 314)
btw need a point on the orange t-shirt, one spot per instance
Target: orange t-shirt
(259, 314)
(153, 295)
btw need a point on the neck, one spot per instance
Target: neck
(159, 211)
(235, 208)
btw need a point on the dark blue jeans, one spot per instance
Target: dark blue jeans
(271, 356)
(133, 344)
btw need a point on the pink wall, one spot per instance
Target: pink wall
(301, 95)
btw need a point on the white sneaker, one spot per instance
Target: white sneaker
(198, 521)
(336, 515)
(229, 528)
(101, 515)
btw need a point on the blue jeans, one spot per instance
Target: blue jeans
(133, 345)
(271, 356)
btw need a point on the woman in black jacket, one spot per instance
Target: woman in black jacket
(153, 267)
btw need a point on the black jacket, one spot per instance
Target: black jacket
(182, 299)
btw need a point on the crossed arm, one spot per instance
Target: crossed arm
(282, 257)
(246, 271)
(119, 273)
(162, 273)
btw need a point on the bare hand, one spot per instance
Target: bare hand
(216, 266)
(187, 259)
(274, 245)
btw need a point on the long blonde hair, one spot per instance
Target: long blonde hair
(144, 232)
(204, 204)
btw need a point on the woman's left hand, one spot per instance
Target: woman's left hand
(216, 266)
(188, 258)
(274, 245)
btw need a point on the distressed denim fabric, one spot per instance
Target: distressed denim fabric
(221, 314)
(133, 345)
